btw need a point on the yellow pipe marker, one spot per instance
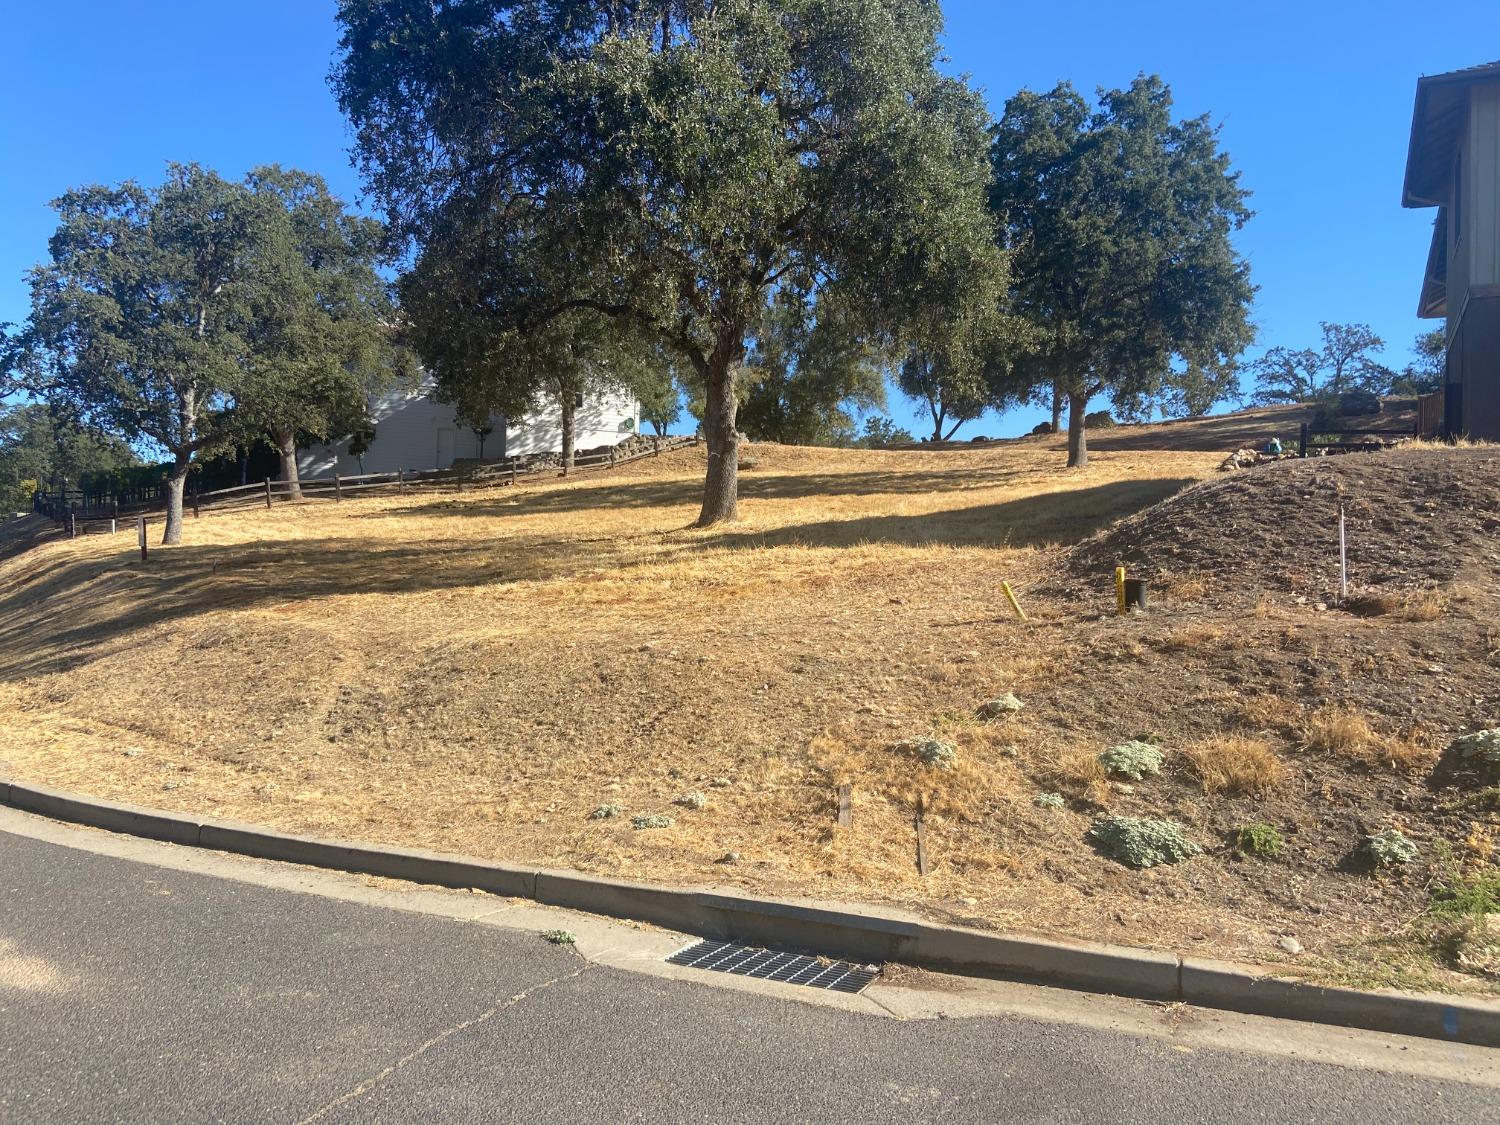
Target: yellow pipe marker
(1120, 590)
(1014, 604)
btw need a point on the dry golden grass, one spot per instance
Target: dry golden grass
(1399, 605)
(1236, 765)
(476, 673)
(1191, 637)
(1267, 712)
(1349, 734)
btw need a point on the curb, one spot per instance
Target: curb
(860, 934)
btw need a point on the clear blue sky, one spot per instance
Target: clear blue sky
(1315, 100)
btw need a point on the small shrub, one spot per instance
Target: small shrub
(606, 812)
(651, 820)
(1235, 765)
(1139, 842)
(1134, 759)
(932, 751)
(560, 937)
(691, 800)
(1048, 800)
(1001, 705)
(1099, 419)
(1390, 848)
(1480, 749)
(1259, 840)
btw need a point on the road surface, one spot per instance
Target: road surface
(136, 992)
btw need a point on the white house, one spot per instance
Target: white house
(412, 431)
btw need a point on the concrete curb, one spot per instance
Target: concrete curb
(862, 934)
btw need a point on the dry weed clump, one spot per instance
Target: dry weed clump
(1192, 586)
(1078, 775)
(1399, 605)
(1348, 734)
(1190, 637)
(1269, 713)
(1235, 765)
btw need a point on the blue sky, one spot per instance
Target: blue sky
(1314, 97)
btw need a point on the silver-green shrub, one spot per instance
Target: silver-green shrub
(1133, 759)
(1139, 842)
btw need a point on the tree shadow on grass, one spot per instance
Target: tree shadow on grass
(688, 491)
(54, 617)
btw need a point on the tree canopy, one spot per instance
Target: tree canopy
(40, 448)
(1119, 221)
(1345, 362)
(201, 313)
(672, 164)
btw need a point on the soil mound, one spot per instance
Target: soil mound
(1415, 516)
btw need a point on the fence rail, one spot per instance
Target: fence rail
(334, 489)
(1359, 438)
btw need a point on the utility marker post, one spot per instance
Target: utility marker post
(1120, 609)
(1343, 558)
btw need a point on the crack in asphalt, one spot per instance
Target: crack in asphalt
(374, 1080)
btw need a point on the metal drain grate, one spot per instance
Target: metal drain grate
(763, 964)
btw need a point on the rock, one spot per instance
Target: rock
(728, 857)
(966, 901)
(1290, 944)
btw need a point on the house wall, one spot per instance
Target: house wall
(1473, 371)
(603, 419)
(414, 432)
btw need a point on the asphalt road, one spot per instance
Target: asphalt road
(135, 993)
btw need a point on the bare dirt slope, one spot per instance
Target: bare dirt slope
(480, 673)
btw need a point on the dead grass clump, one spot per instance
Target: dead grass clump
(1234, 764)
(1348, 734)
(1399, 605)
(1190, 637)
(1079, 776)
(1340, 731)
(1191, 587)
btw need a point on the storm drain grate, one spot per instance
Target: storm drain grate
(763, 964)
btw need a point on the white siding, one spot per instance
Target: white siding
(407, 425)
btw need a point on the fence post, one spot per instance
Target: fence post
(513, 470)
(338, 489)
(197, 491)
(268, 494)
(72, 525)
(140, 535)
(1302, 445)
(400, 480)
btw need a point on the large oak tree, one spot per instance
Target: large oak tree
(671, 164)
(1119, 220)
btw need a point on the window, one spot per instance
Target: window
(578, 400)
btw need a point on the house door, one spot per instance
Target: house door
(445, 440)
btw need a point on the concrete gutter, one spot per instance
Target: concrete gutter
(862, 934)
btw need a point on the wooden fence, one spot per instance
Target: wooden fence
(1351, 440)
(337, 488)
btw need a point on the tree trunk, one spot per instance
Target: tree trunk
(721, 485)
(1078, 441)
(1057, 405)
(569, 428)
(172, 535)
(286, 445)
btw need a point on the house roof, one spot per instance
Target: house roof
(1437, 121)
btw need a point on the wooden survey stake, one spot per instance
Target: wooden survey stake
(846, 801)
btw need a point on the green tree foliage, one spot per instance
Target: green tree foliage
(670, 164)
(1119, 220)
(1345, 362)
(950, 394)
(39, 448)
(322, 337)
(806, 374)
(880, 432)
(1424, 375)
(139, 322)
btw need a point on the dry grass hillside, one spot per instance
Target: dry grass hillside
(481, 672)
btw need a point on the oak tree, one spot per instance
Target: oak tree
(669, 164)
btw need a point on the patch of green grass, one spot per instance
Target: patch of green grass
(1260, 840)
